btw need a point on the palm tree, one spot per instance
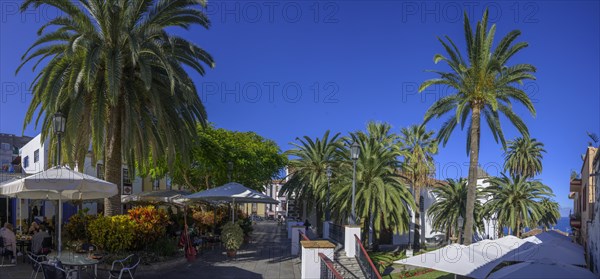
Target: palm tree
(308, 169)
(484, 85)
(418, 147)
(550, 213)
(524, 157)
(516, 201)
(119, 76)
(382, 199)
(450, 204)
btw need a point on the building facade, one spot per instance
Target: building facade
(9, 151)
(583, 193)
(593, 229)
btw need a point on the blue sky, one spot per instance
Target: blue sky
(288, 69)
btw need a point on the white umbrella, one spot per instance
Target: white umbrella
(543, 268)
(161, 196)
(231, 192)
(59, 183)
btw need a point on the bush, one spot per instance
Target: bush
(246, 225)
(232, 236)
(151, 224)
(76, 228)
(113, 234)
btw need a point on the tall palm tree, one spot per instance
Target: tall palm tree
(524, 157)
(550, 213)
(118, 73)
(382, 199)
(418, 147)
(450, 204)
(484, 85)
(516, 201)
(308, 168)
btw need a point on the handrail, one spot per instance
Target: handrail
(303, 236)
(363, 251)
(327, 269)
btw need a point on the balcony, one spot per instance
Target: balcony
(575, 220)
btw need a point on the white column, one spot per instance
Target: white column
(349, 240)
(296, 238)
(326, 229)
(290, 224)
(311, 262)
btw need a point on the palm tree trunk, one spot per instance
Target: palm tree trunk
(113, 161)
(473, 164)
(417, 229)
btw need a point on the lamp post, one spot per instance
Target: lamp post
(59, 122)
(354, 152)
(328, 211)
(229, 170)
(460, 224)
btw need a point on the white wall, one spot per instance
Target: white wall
(29, 149)
(594, 227)
(427, 230)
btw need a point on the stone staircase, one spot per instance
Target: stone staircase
(348, 267)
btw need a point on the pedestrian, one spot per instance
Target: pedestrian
(306, 224)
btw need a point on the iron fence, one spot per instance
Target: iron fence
(327, 269)
(336, 233)
(364, 260)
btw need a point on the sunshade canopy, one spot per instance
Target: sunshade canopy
(479, 259)
(59, 183)
(231, 192)
(161, 196)
(542, 268)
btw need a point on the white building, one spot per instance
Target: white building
(429, 199)
(34, 158)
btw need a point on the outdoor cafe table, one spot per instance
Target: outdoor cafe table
(76, 260)
(22, 243)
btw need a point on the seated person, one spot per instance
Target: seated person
(34, 228)
(38, 240)
(10, 241)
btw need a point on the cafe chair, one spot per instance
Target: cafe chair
(55, 271)
(36, 263)
(126, 268)
(6, 251)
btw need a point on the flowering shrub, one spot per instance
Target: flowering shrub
(113, 234)
(75, 229)
(151, 224)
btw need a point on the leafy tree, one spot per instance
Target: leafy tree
(484, 85)
(418, 146)
(450, 204)
(255, 160)
(550, 213)
(382, 198)
(516, 201)
(116, 70)
(524, 157)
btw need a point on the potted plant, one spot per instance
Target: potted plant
(232, 237)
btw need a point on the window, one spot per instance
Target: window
(155, 184)
(100, 171)
(36, 156)
(5, 146)
(26, 162)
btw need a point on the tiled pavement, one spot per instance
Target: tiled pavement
(267, 256)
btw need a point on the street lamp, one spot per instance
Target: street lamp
(59, 122)
(229, 170)
(328, 212)
(460, 224)
(354, 152)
